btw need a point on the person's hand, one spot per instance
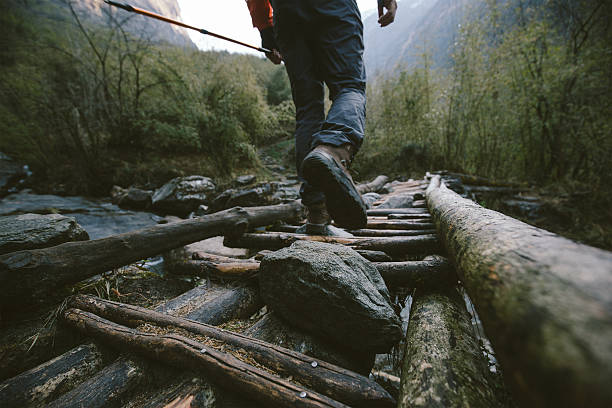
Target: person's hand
(268, 41)
(384, 19)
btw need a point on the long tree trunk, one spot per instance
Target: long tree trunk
(334, 381)
(27, 276)
(545, 301)
(443, 364)
(183, 352)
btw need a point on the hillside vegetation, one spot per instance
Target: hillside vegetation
(527, 98)
(89, 105)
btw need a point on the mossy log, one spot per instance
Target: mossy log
(545, 301)
(48, 381)
(433, 271)
(27, 276)
(421, 244)
(387, 211)
(373, 186)
(443, 365)
(108, 387)
(333, 381)
(183, 352)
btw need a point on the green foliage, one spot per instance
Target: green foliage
(87, 107)
(528, 98)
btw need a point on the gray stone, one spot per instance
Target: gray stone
(245, 180)
(398, 201)
(331, 291)
(370, 198)
(33, 231)
(182, 195)
(272, 329)
(11, 173)
(259, 194)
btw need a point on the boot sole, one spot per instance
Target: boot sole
(344, 202)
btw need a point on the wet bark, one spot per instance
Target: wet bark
(545, 301)
(182, 352)
(443, 365)
(433, 271)
(422, 244)
(234, 303)
(46, 382)
(391, 233)
(387, 211)
(334, 381)
(26, 276)
(400, 225)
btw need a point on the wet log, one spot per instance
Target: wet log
(400, 225)
(108, 387)
(416, 217)
(26, 276)
(374, 256)
(545, 301)
(443, 365)
(335, 382)
(183, 352)
(419, 204)
(373, 186)
(46, 382)
(391, 232)
(421, 244)
(234, 303)
(226, 270)
(433, 271)
(387, 211)
(204, 256)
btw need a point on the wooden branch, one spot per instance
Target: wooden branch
(46, 382)
(433, 271)
(26, 276)
(443, 364)
(182, 352)
(387, 211)
(545, 301)
(422, 244)
(239, 302)
(336, 382)
(372, 186)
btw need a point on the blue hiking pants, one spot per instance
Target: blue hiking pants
(322, 43)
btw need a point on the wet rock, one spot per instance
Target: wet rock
(182, 195)
(33, 231)
(11, 173)
(272, 329)
(527, 207)
(370, 198)
(260, 194)
(245, 180)
(398, 201)
(131, 198)
(333, 292)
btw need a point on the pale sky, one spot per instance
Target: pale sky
(230, 18)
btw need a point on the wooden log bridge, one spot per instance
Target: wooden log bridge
(545, 301)
(545, 304)
(26, 277)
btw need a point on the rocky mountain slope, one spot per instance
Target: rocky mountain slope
(420, 26)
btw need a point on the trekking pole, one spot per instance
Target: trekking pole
(137, 10)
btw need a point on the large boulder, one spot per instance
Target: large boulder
(182, 195)
(398, 201)
(132, 198)
(331, 291)
(33, 231)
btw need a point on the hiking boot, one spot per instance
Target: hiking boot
(326, 169)
(317, 223)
